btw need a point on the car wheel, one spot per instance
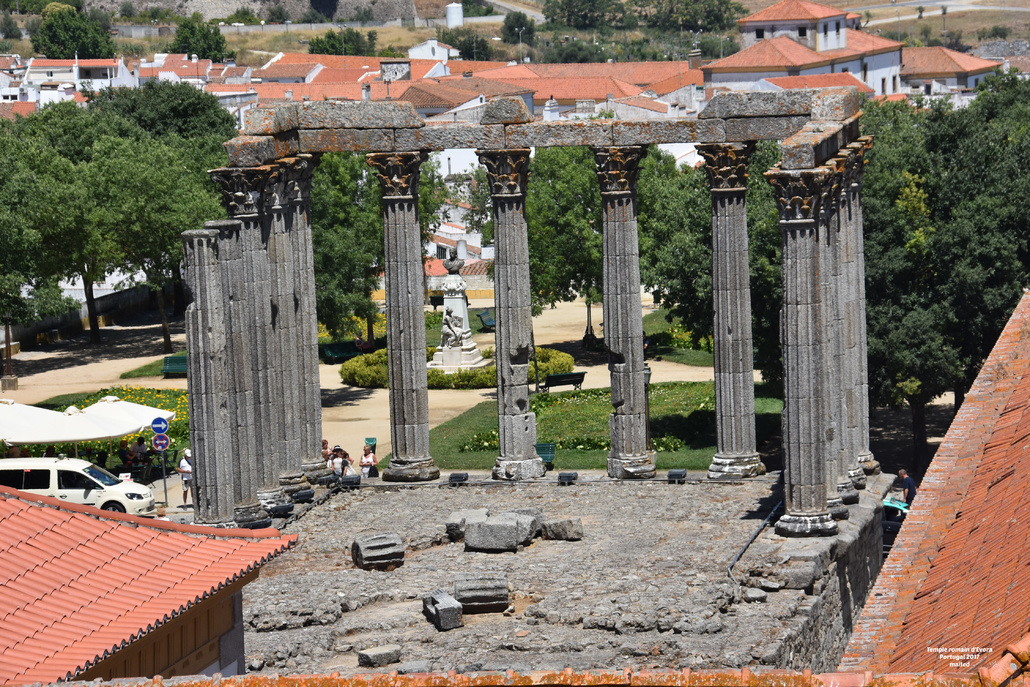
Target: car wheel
(114, 506)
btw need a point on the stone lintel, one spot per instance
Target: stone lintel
(510, 110)
(573, 133)
(444, 136)
(254, 151)
(347, 140)
(816, 143)
(365, 114)
(645, 132)
(763, 128)
(266, 121)
(785, 103)
(835, 104)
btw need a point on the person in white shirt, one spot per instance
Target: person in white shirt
(185, 469)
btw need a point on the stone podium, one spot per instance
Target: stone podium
(457, 350)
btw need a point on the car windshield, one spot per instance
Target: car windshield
(101, 475)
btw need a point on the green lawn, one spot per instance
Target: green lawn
(682, 428)
(668, 342)
(149, 370)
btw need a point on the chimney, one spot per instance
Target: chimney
(366, 92)
(193, 57)
(463, 250)
(551, 110)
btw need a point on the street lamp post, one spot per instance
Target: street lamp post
(898, 11)
(521, 59)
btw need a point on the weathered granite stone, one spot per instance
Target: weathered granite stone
(251, 516)
(536, 514)
(444, 136)
(752, 595)
(509, 110)
(265, 121)
(250, 151)
(460, 519)
(411, 667)
(763, 128)
(370, 114)
(442, 609)
(811, 146)
(835, 104)
(346, 140)
(482, 592)
(786, 103)
(379, 656)
(501, 532)
(378, 551)
(566, 529)
(646, 132)
(574, 133)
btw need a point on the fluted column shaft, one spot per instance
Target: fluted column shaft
(631, 457)
(513, 313)
(215, 480)
(804, 320)
(398, 175)
(737, 452)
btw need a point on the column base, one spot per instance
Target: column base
(847, 492)
(819, 525)
(632, 467)
(857, 477)
(735, 466)
(251, 516)
(516, 470)
(869, 465)
(314, 470)
(838, 511)
(423, 471)
(9, 383)
(274, 501)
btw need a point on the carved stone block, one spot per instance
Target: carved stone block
(568, 529)
(501, 532)
(510, 110)
(265, 121)
(442, 609)
(333, 114)
(482, 592)
(811, 146)
(763, 128)
(835, 104)
(378, 551)
(645, 132)
(791, 102)
(460, 519)
(346, 140)
(574, 133)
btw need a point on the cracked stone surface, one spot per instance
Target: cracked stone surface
(645, 587)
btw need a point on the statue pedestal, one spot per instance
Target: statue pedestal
(463, 354)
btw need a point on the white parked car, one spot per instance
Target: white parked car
(76, 481)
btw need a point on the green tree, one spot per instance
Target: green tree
(513, 21)
(330, 43)
(312, 16)
(162, 108)
(65, 34)
(242, 15)
(194, 36)
(574, 52)
(9, 27)
(278, 15)
(127, 9)
(579, 14)
(470, 44)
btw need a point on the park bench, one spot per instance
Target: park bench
(333, 353)
(574, 379)
(174, 365)
(546, 453)
(488, 321)
(435, 301)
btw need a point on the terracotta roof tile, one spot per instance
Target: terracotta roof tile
(940, 61)
(780, 52)
(637, 73)
(964, 547)
(820, 81)
(688, 77)
(86, 581)
(793, 10)
(299, 70)
(568, 90)
(419, 68)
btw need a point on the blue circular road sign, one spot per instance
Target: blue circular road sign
(160, 442)
(159, 425)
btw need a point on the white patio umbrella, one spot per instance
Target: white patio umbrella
(92, 428)
(115, 408)
(23, 424)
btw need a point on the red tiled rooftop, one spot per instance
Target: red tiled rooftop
(285, 71)
(781, 52)
(688, 77)
(959, 572)
(17, 109)
(419, 68)
(328, 75)
(820, 81)
(941, 61)
(269, 92)
(77, 583)
(645, 103)
(637, 73)
(793, 10)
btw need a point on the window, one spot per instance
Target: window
(838, 28)
(37, 479)
(883, 86)
(844, 70)
(759, 34)
(11, 478)
(926, 88)
(826, 30)
(894, 85)
(70, 479)
(441, 252)
(802, 32)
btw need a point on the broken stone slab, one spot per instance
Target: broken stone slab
(538, 519)
(785, 103)
(810, 147)
(482, 592)
(501, 532)
(763, 128)
(835, 104)
(506, 111)
(409, 667)
(378, 551)
(371, 114)
(442, 609)
(458, 520)
(253, 151)
(265, 121)
(568, 529)
(379, 656)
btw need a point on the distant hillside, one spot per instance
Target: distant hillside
(341, 10)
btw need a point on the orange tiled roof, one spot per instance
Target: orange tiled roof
(476, 269)
(78, 583)
(285, 71)
(312, 91)
(328, 75)
(820, 81)
(44, 62)
(793, 10)
(458, 66)
(637, 73)
(781, 52)
(567, 90)
(958, 575)
(939, 61)
(645, 103)
(419, 68)
(688, 77)
(16, 109)
(861, 41)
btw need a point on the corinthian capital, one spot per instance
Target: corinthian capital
(245, 189)
(299, 171)
(506, 170)
(798, 193)
(398, 173)
(726, 164)
(618, 168)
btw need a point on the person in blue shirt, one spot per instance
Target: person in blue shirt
(908, 485)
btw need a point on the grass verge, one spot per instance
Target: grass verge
(149, 370)
(655, 324)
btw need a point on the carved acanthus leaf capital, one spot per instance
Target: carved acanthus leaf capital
(299, 171)
(618, 168)
(798, 193)
(726, 164)
(506, 170)
(244, 188)
(398, 173)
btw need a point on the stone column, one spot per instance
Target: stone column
(803, 326)
(631, 457)
(517, 458)
(737, 453)
(210, 427)
(865, 456)
(398, 175)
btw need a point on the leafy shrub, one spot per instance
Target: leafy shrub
(366, 371)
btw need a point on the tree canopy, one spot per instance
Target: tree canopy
(65, 34)
(513, 21)
(194, 36)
